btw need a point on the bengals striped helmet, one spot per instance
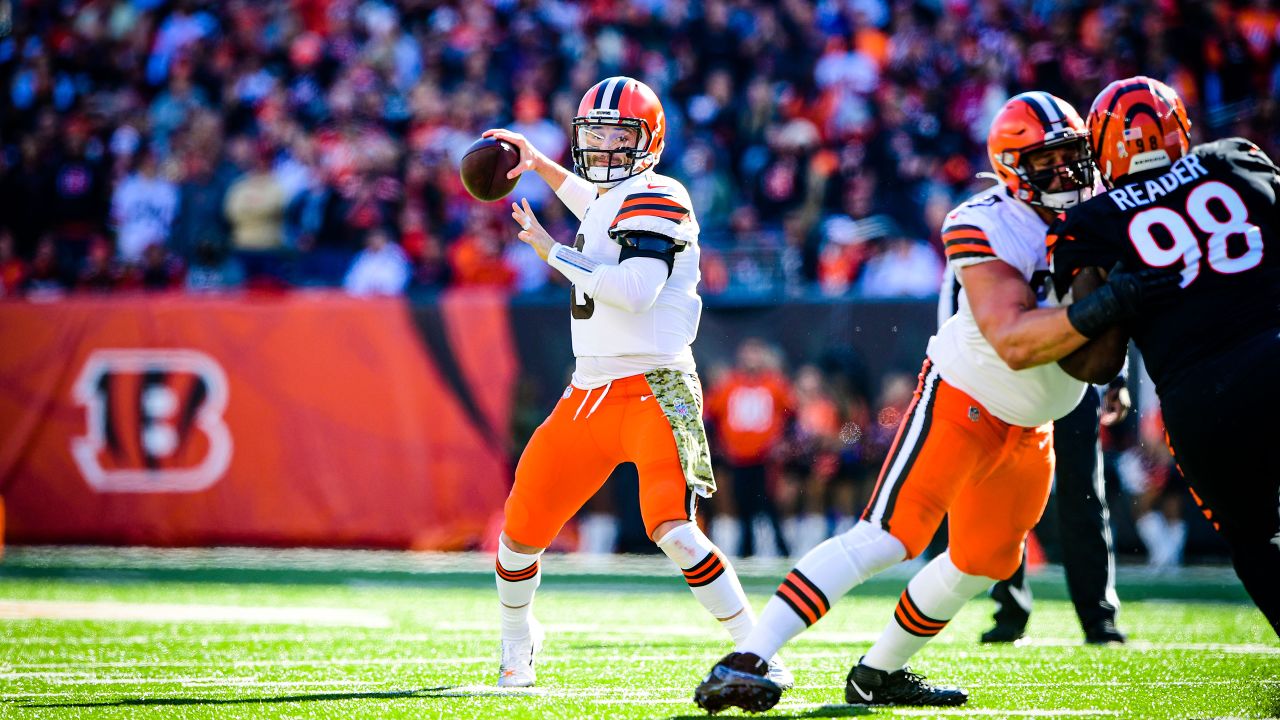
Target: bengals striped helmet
(1137, 124)
(619, 131)
(1037, 124)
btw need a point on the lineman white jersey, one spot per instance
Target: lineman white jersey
(610, 342)
(993, 226)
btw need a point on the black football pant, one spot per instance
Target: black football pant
(1083, 522)
(1223, 432)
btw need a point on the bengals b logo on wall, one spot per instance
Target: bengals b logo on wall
(154, 421)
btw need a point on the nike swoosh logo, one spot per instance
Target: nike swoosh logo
(645, 397)
(864, 695)
(1021, 596)
(652, 187)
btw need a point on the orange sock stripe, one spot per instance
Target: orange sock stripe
(701, 565)
(810, 590)
(707, 574)
(914, 611)
(906, 624)
(517, 575)
(797, 604)
(910, 619)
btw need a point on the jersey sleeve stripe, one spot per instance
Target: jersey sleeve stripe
(664, 203)
(652, 195)
(963, 233)
(969, 254)
(969, 247)
(675, 217)
(663, 207)
(951, 242)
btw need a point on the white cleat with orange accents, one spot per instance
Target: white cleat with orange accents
(518, 657)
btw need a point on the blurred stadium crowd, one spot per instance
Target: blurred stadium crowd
(166, 144)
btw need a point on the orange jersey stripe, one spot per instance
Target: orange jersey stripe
(964, 235)
(652, 201)
(673, 215)
(977, 249)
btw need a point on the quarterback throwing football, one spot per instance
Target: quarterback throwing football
(635, 394)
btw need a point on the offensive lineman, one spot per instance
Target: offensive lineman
(635, 394)
(976, 443)
(1213, 213)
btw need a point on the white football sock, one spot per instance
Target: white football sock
(710, 577)
(931, 599)
(822, 576)
(518, 576)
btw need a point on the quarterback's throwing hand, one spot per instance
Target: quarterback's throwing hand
(531, 231)
(529, 155)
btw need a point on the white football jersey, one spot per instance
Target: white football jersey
(610, 342)
(993, 226)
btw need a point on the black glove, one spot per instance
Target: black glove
(1124, 297)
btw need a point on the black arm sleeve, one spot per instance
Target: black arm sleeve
(638, 243)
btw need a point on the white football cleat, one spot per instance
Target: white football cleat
(518, 657)
(780, 675)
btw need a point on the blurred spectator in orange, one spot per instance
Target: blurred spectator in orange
(476, 258)
(750, 409)
(812, 458)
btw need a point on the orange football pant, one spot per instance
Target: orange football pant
(952, 457)
(587, 435)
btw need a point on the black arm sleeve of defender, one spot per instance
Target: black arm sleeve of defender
(637, 243)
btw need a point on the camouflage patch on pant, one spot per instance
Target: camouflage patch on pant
(680, 396)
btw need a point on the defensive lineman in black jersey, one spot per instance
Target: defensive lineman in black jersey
(1212, 213)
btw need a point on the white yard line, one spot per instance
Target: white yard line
(177, 613)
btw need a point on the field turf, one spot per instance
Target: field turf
(296, 634)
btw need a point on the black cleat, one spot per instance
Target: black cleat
(1104, 633)
(1003, 633)
(739, 681)
(868, 686)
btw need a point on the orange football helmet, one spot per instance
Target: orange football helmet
(1036, 122)
(621, 127)
(1137, 124)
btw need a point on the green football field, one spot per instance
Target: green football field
(297, 634)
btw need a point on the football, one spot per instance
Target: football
(485, 166)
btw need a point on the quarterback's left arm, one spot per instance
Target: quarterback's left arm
(632, 285)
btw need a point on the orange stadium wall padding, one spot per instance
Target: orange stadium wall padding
(301, 419)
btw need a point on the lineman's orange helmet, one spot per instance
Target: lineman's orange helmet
(1137, 124)
(1034, 122)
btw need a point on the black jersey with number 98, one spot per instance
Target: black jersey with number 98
(1214, 217)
